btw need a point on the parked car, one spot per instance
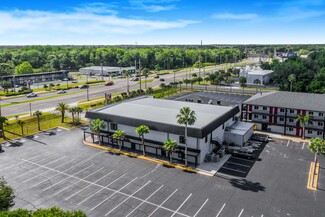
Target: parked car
(136, 79)
(31, 95)
(85, 86)
(61, 92)
(74, 81)
(157, 76)
(110, 83)
(161, 79)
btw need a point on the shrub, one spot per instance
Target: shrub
(6, 195)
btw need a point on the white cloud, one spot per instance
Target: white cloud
(231, 16)
(153, 5)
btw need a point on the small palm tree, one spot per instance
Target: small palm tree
(242, 82)
(62, 108)
(127, 74)
(119, 135)
(96, 126)
(73, 112)
(180, 85)
(38, 114)
(141, 130)
(3, 120)
(162, 86)
(186, 117)
(21, 124)
(78, 110)
(170, 146)
(304, 119)
(291, 79)
(257, 82)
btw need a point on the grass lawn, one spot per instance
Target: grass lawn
(48, 121)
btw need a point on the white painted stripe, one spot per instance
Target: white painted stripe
(221, 210)
(201, 207)
(163, 203)
(62, 180)
(114, 193)
(242, 159)
(110, 189)
(127, 198)
(144, 201)
(182, 204)
(88, 186)
(288, 143)
(303, 146)
(227, 168)
(238, 164)
(241, 212)
(90, 196)
(47, 171)
(38, 167)
(69, 186)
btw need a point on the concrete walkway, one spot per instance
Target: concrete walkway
(279, 136)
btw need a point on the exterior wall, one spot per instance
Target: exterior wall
(219, 132)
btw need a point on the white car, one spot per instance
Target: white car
(62, 91)
(31, 95)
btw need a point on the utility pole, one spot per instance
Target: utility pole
(30, 109)
(140, 75)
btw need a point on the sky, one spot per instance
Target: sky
(154, 22)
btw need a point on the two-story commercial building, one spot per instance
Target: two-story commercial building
(277, 112)
(160, 116)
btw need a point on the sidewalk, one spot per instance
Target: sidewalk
(279, 136)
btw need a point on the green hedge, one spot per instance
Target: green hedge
(51, 212)
(16, 93)
(94, 82)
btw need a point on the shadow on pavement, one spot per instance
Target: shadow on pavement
(246, 185)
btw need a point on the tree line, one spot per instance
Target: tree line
(48, 58)
(300, 74)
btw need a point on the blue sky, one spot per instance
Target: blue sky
(101, 22)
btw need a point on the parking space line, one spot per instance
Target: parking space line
(38, 167)
(238, 164)
(114, 193)
(181, 204)
(162, 203)
(19, 163)
(227, 168)
(201, 207)
(241, 212)
(242, 159)
(288, 143)
(88, 185)
(127, 198)
(110, 189)
(221, 209)
(101, 189)
(47, 171)
(144, 200)
(303, 146)
(69, 186)
(62, 180)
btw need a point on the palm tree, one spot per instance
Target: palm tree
(162, 86)
(145, 73)
(3, 120)
(317, 146)
(242, 82)
(127, 74)
(38, 114)
(96, 125)
(304, 119)
(119, 135)
(291, 79)
(21, 124)
(78, 110)
(180, 85)
(186, 117)
(257, 82)
(62, 107)
(73, 112)
(170, 146)
(141, 130)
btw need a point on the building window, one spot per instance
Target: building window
(320, 124)
(264, 108)
(281, 119)
(264, 117)
(182, 139)
(290, 129)
(319, 133)
(113, 126)
(282, 110)
(256, 107)
(290, 120)
(310, 132)
(223, 126)
(206, 139)
(255, 116)
(321, 114)
(292, 111)
(311, 113)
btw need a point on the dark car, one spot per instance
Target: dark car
(85, 86)
(157, 76)
(161, 79)
(110, 83)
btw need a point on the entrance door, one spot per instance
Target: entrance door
(264, 127)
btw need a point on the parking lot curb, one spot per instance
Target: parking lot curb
(153, 160)
(313, 177)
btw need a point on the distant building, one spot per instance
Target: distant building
(105, 70)
(251, 75)
(26, 79)
(277, 112)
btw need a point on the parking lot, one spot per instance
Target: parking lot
(224, 99)
(49, 170)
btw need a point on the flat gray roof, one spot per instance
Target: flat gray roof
(160, 115)
(291, 100)
(259, 72)
(240, 128)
